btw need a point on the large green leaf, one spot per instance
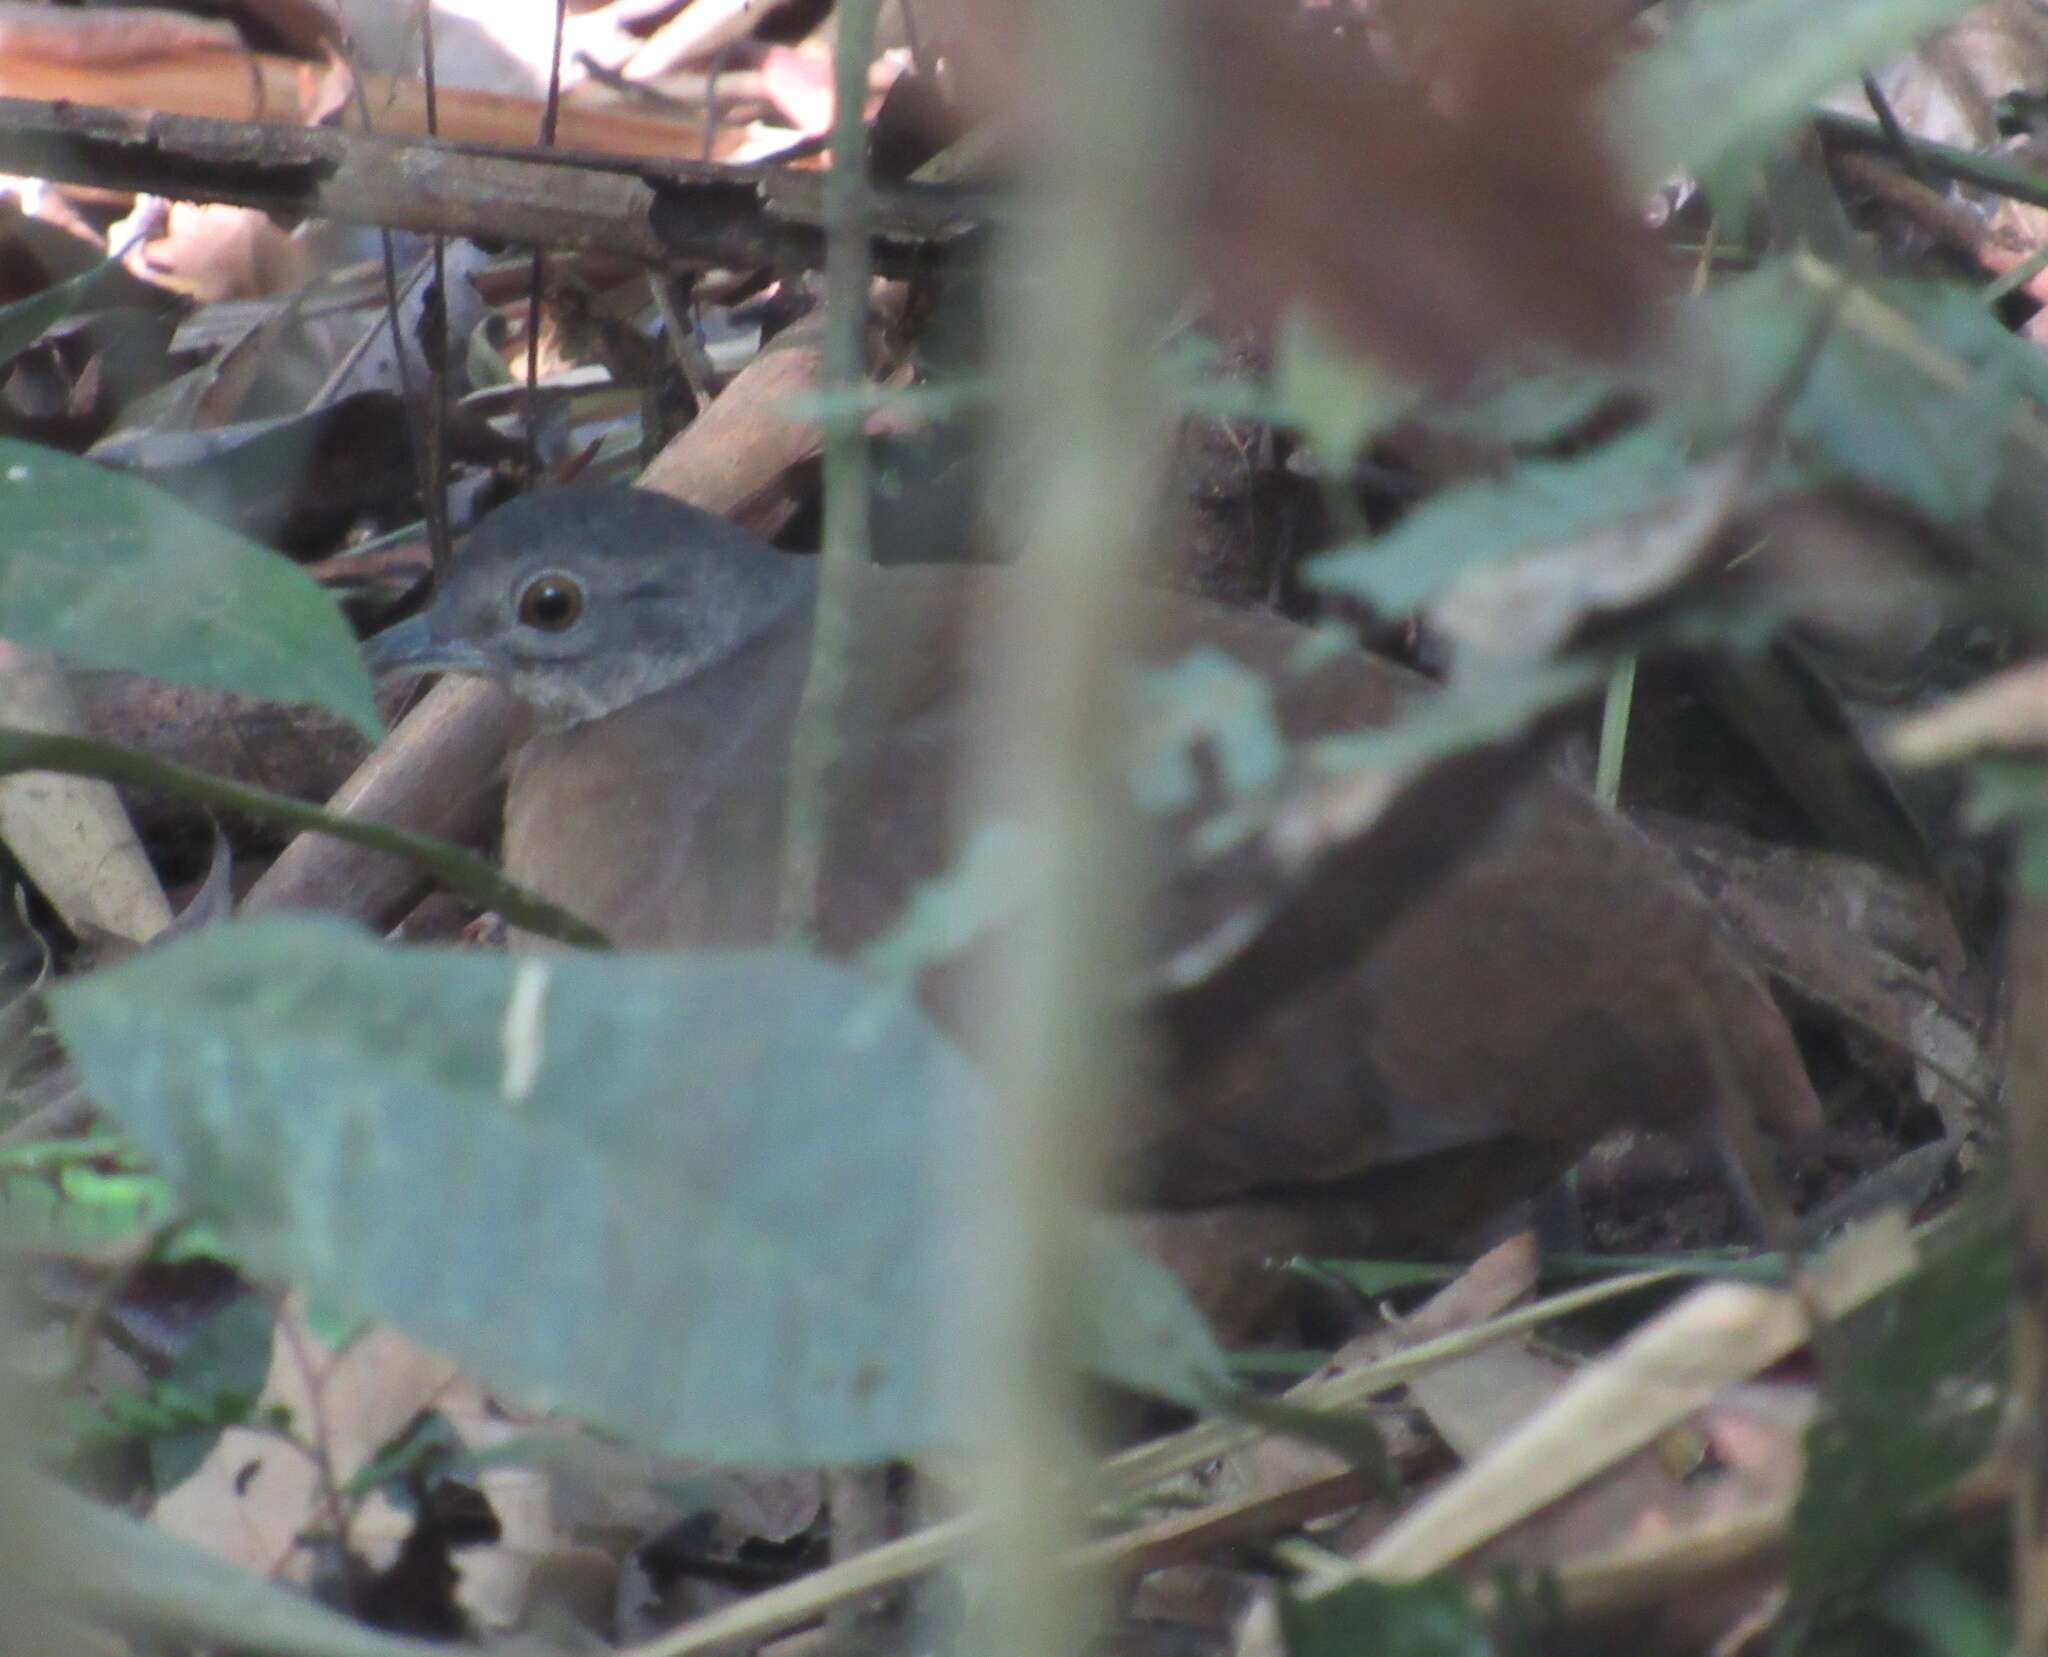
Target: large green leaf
(1732, 74)
(696, 1197)
(110, 572)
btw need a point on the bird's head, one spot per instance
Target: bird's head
(585, 599)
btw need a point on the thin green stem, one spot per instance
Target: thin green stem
(1614, 715)
(807, 825)
(1084, 444)
(462, 872)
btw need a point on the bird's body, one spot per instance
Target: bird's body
(1562, 982)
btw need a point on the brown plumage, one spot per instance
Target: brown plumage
(1563, 982)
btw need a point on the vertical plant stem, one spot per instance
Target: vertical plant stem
(434, 337)
(425, 458)
(1085, 440)
(537, 275)
(807, 822)
(1614, 712)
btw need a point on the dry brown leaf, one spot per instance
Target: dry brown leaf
(696, 33)
(107, 35)
(2008, 711)
(1871, 946)
(255, 1499)
(799, 83)
(327, 91)
(1438, 212)
(1717, 1335)
(71, 834)
(212, 252)
(1436, 222)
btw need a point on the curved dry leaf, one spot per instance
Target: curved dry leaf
(2007, 711)
(72, 835)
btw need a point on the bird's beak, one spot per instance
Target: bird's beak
(411, 647)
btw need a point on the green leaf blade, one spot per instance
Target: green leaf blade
(27, 320)
(700, 1198)
(109, 572)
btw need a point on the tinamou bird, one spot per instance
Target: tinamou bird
(1562, 982)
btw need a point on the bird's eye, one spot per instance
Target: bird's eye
(550, 602)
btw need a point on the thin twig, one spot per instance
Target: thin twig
(462, 872)
(423, 440)
(434, 341)
(321, 1445)
(794, 1603)
(550, 116)
(1895, 134)
(1085, 445)
(659, 209)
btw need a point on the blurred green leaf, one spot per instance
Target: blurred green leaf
(1910, 1413)
(1526, 409)
(2009, 793)
(1460, 719)
(1335, 398)
(992, 877)
(1433, 1618)
(166, 1413)
(1870, 413)
(1197, 378)
(1950, 1614)
(1731, 76)
(695, 1198)
(1208, 697)
(224, 1366)
(1542, 503)
(1138, 1327)
(38, 1155)
(109, 572)
(81, 1210)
